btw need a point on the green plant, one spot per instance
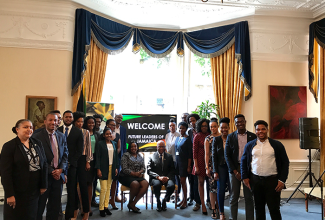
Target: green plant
(206, 109)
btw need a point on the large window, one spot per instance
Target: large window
(138, 83)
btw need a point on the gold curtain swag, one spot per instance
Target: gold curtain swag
(314, 71)
(94, 77)
(227, 85)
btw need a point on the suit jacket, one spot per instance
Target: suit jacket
(218, 153)
(281, 159)
(123, 139)
(43, 136)
(102, 160)
(154, 167)
(14, 166)
(232, 150)
(75, 143)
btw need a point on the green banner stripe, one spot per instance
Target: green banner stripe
(129, 117)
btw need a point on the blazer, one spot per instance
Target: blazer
(14, 166)
(43, 136)
(102, 160)
(185, 151)
(281, 159)
(75, 143)
(232, 150)
(218, 153)
(155, 168)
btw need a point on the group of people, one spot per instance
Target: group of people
(35, 165)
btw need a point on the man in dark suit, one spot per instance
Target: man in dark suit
(234, 150)
(161, 171)
(75, 145)
(56, 152)
(265, 169)
(122, 131)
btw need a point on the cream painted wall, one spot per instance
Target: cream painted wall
(31, 72)
(265, 73)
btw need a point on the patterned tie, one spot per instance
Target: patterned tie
(54, 150)
(162, 161)
(66, 132)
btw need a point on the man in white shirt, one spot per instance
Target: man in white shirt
(264, 170)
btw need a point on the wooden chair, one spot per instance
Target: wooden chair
(163, 188)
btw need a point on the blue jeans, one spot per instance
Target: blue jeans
(223, 180)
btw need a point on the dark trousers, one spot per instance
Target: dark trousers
(264, 193)
(222, 182)
(53, 198)
(191, 185)
(170, 187)
(207, 187)
(196, 190)
(72, 203)
(95, 186)
(178, 183)
(82, 180)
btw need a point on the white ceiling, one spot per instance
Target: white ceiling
(187, 14)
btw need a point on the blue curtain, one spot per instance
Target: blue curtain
(113, 38)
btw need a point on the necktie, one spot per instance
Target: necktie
(54, 150)
(162, 161)
(66, 132)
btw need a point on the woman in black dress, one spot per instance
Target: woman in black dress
(132, 175)
(23, 173)
(183, 152)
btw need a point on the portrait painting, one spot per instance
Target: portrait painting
(37, 107)
(287, 105)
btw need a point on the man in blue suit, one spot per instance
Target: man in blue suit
(122, 131)
(56, 151)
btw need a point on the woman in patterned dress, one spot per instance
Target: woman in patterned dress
(132, 175)
(208, 165)
(203, 130)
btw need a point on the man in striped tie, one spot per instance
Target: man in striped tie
(56, 152)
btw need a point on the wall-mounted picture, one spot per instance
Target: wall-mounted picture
(287, 105)
(37, 107)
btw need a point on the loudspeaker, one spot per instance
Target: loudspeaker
(308, 133)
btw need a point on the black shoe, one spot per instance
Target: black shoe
(164, 205)
(102, 213)
(107, 212)
(190, 202)
(158, 205)
(94, 204)
(136, 210)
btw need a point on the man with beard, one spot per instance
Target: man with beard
(75, 145)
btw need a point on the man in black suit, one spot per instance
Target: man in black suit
(56, 152)
(75, 145)
(234, 150)
(161, 171)
(265, 169)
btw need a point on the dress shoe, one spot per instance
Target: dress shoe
(107, 212)
(183, 207)
(190, 203)
(164, 205)
(94, 204)
(134, 210)
(196, 207)
(158, 205)
(102, 213)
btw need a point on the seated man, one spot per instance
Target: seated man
(161, 171)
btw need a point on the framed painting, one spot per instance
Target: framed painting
(37, 107)
(287, 105)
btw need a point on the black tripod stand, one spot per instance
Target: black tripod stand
(309, 174)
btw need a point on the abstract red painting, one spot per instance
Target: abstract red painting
(287, 105)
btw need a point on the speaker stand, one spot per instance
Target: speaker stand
(309, 174)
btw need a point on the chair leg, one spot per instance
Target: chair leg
(151, 200)
(176, 195)
(306, 201)
(147, 200)
(121, 200)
